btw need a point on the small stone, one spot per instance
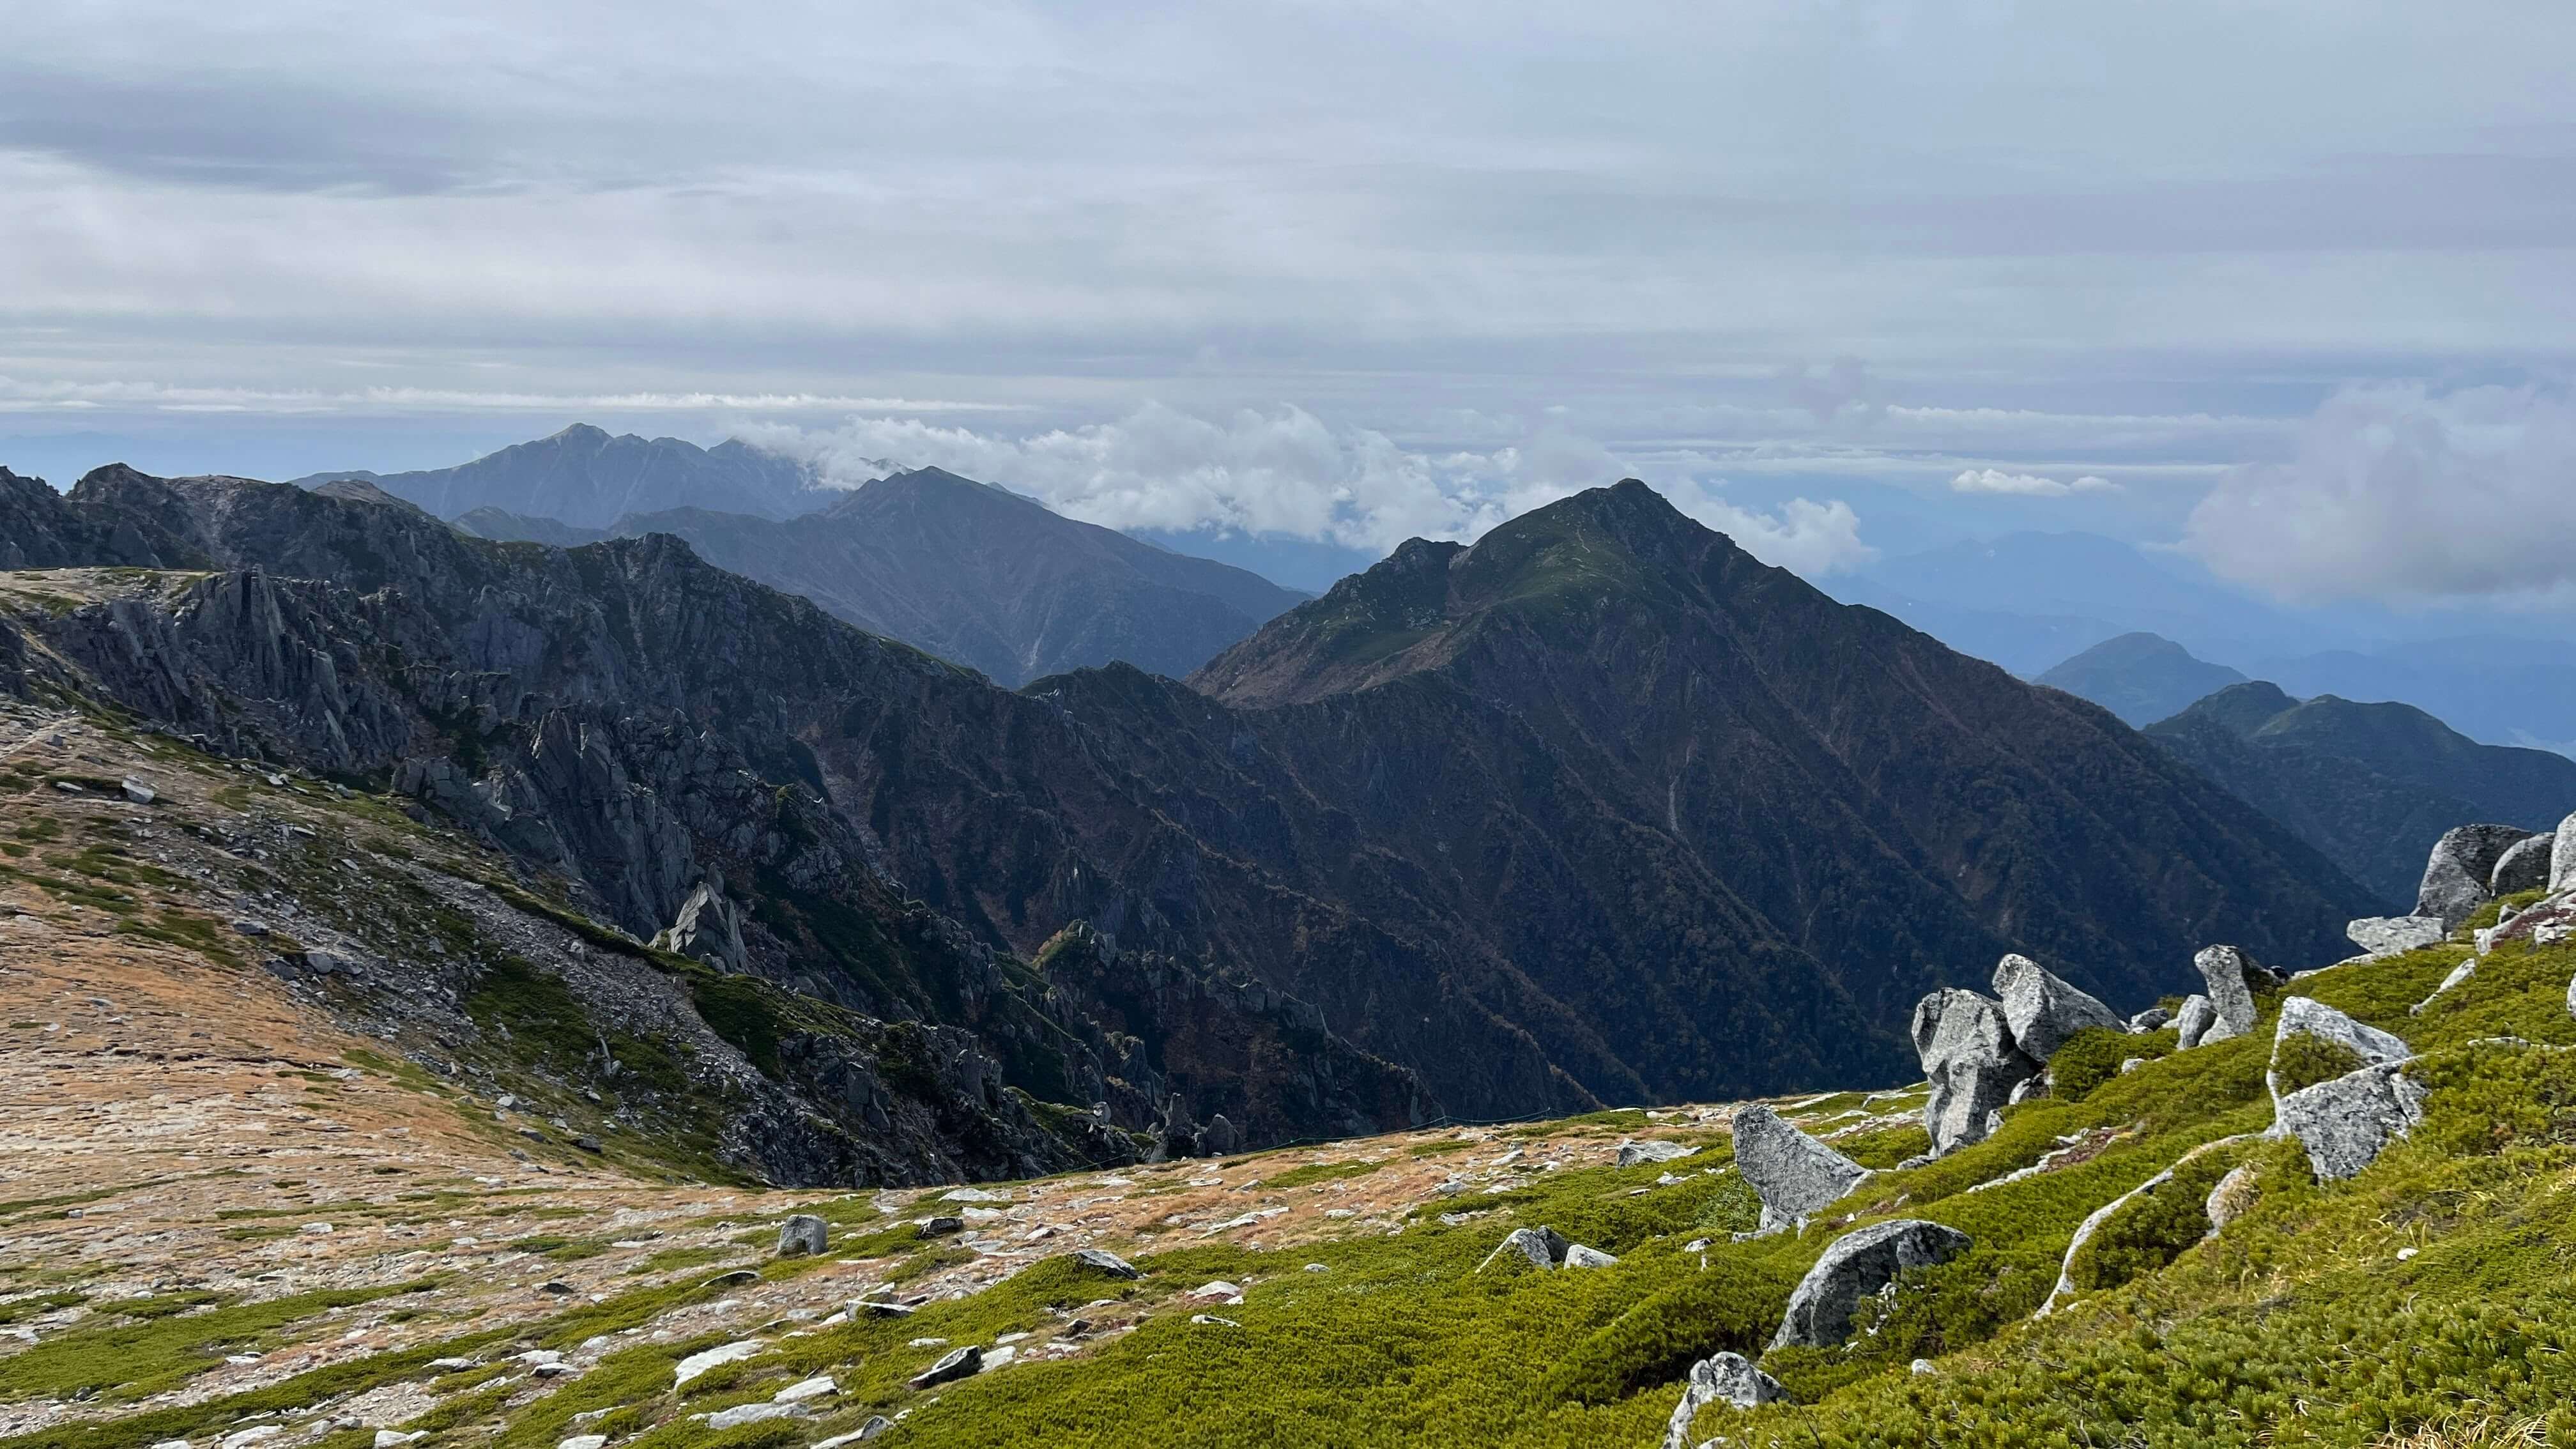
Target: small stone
(803, 1236)
(136, 792)
(1637, 1154)
(1103, 1261)
(1317, 1268)
(581, 1441)
(2233, 1198)
(2154, 1018)
(1579, 1256)
(2194, 1021)
(1921, 1366)
(1219, 1290)
(741, 1414)
(958, 1363)
(255, 1434)
(804, 1389)
(396, 1438)
(1725, 1378)
(1539, 1247)
(698, 1363)
(940, 1226)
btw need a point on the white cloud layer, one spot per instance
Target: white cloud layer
(2398, 491)
(1283, 472)
(2026, 485)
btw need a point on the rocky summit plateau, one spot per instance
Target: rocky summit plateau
(1584, 988)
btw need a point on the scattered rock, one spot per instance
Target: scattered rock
(2042, 1010)
(2523, 867)
(2346, 1123)
(1726, 1378)
(2456, 875)
(577, 1441)
(1638, 1154)
(2230, 975)
(1579, 1256)
(2380, 936)
(2562, 856)
(2233, 1198)
(741, 1414)
(1104, 1261)
(2306, 1016)
(2154, 1018)
(2459, 973)
(940, 1226)
(734, 1279)
(1921, 1366)
(1967, 1051)
(396, 1438)
(1795, 1174)
(2194, 1021)
(698, 1363)
(803, 1236)
(957, 1363)
(880, 1307)
(1219, 1291)
(973, 1194)
(138, 793)
(1539, 1247)
(1860, 1263)
(803, 1389)
(876, 1424)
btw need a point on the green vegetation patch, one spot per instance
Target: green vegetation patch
(154, 1345)
(1315, 1172)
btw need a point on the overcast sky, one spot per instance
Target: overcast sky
(2287, 284)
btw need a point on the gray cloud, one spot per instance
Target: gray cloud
(2400, 491)
(1283, 472)
(1894, 241)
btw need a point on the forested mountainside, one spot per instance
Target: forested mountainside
(2370, 785)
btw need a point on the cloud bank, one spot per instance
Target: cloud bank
(2398, 491)
(2025, 485)
(1283, 472)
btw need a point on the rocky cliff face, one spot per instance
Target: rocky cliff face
(631, 723)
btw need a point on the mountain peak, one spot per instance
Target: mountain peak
(2141, 677)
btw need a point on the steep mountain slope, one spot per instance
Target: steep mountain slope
(1622, 814)
(585, 477)
(981, 576)
(1853, 790)
(625, 721)
(2370, 785)
(2141, 678)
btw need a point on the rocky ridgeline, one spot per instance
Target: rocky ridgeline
(2339, 1088)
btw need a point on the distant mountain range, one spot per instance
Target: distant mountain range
(585, 477)
(2142, 678)
(2370, 785)
(2033, 601)
(970, 572)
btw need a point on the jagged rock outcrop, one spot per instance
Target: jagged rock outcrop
(2462, 864)
(1725, 1378)
(1968, 1054)
(708, 928)
(1795, 1175)
(1858, 1264)
(2043, 1010)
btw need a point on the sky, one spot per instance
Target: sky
(2285, 288)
